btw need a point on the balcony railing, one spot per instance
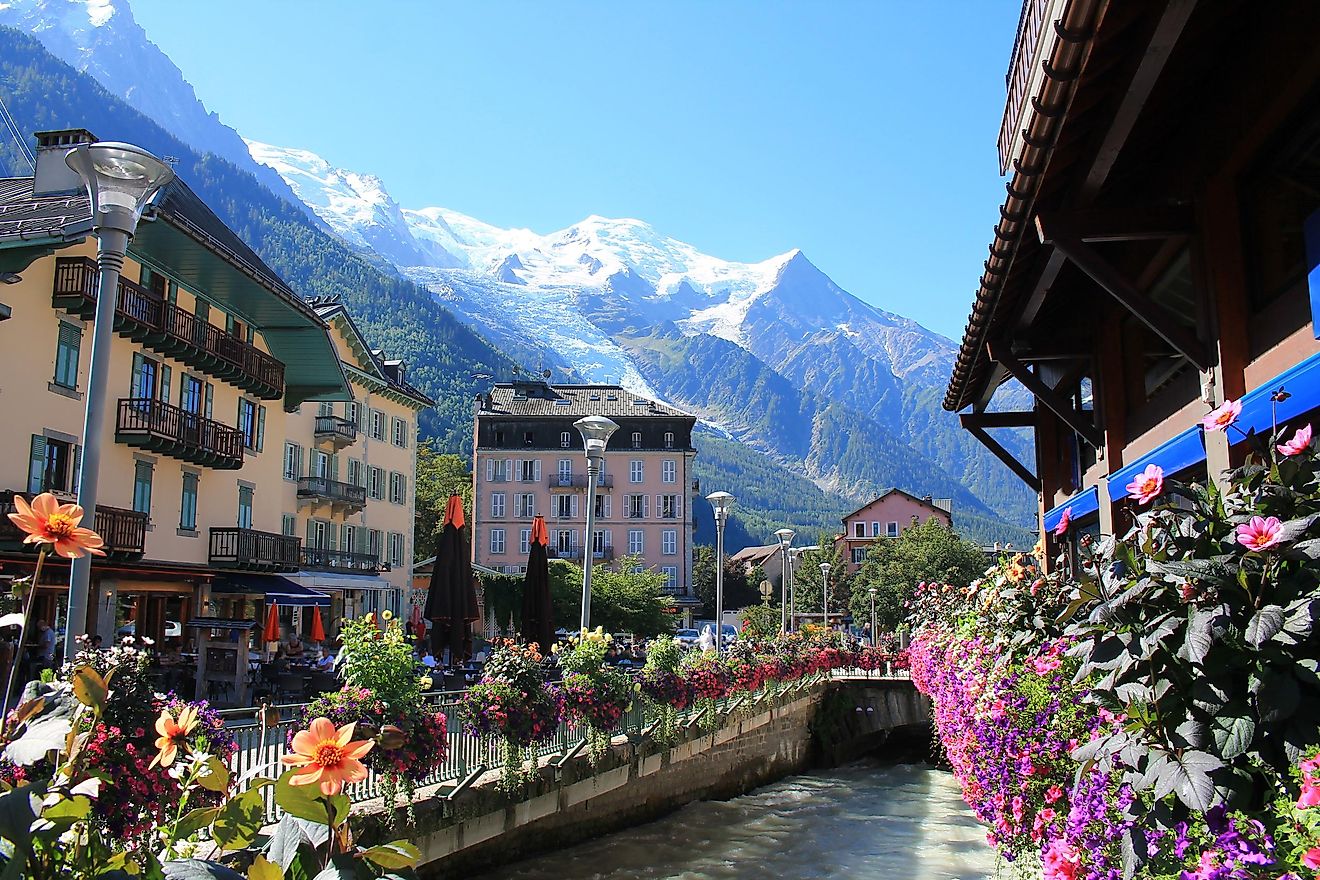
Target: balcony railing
(146, 317)
(320, 559)
(333, 491)
(233, 547)
(606, 555)
(339, 431)
(162, 427)
(579, 481)
(1023, 70)
(123, 531)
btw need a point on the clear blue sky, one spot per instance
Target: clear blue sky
(861, 131)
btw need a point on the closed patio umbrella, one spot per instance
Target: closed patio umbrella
(271, 632)
(451, 601)
(318, 629)
(538, 625)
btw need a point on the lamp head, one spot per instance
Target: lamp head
(721, 501)
(596, 432)
(825, 569)
(785, 537)
(873, 591)
(120, 179)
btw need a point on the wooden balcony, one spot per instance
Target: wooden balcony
(322, 490)
(169, 430)
(336, 431)
(251, 550)
(578, 481)
(145, 317)
(123, 531)
(343, 561)
(1025, 71)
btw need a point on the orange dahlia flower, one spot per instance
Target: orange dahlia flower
(46, 521)
(328, 756)
(172, 734)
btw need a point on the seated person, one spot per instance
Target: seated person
(293, 648)
(428, 660)
(326, 663)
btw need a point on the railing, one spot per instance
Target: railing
(320, 559)
(332, 490)
(166, 428)
(606, 554)
(336, 428)
(579, 481)
(123, 531)
(145, 316)
(1021, 71)
(233, 547)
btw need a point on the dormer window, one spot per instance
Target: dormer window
(669, 439)
(529, 439)
(566, 440)
(637, 440)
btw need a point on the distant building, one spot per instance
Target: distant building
(528, 459)
(887, 517)
(768, 558)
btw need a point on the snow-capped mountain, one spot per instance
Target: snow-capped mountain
(101, 38)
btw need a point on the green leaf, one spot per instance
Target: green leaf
(1277, 696)
(286, 842)
(240, 820)
(1264, 625)
(196, 869)
(1188, 776)
(393, 855)
(89, 687)
(39, 738)
(1232, 734)
(301, 801)
(194, 821)
(217, 779)
(1198, 639)
(261, 869)
(69, 808)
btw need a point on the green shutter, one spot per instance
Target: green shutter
(165, 383)
(136, 381)
(334, 467)
(37, 464)
(75, 475)
(311, 532)
(332, 536)
(210, 399)
(261, 428)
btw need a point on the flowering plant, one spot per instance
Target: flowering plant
(663, 686)
(592, 693)
(512, 703)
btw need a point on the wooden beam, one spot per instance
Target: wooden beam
(1000, 452)
(1162, 42)
(999, 419)
(1112, 282)
(1124, 224)
(1083, 426)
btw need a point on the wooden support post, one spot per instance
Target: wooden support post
(1050, 398)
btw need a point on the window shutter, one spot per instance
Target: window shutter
(607, 506)
(311, 532)
(334, 467)
(609, 538)
(536, 471)
(37, 464)
(210, 398)
(646, 506)
(573, 507)
(165, 383)
(75, 476)
(261, 427)
(490, 470)
(332, 533)
(508, 469)
(575, 538)
(136, 382)
(659, 505)
(678, 506)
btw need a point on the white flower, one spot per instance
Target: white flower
(148, 641)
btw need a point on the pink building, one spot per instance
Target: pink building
(887, 517)
(528, 460)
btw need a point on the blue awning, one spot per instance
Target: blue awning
(1182, 451)
(1084, 502)
(279, 590)
(1301, 381)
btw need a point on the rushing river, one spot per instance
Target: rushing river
(867, 820)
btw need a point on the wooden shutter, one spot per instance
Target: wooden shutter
(135, 381)
(210, 399)
(490, 470)
(37, 464)
(75, 472)
(573, 507)
(165, 383)
(334, 467)
(261, 428)
(536, 470)
(646, 506)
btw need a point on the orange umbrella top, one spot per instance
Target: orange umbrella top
(271, 632)
(540, 535)
(454, 511)
(318, 629)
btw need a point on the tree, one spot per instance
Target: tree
(438, 474)
(741, 586)
(928, 552)
(809, 584)
(760, 621)
(622, 600)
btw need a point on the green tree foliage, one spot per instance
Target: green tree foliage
(760, 621)
(622, 600)
(928, 552)
(810, 584)
(438, 474)
(740, 585)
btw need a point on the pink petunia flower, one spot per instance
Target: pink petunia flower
(1147, 485)
(1223, 416)
(1260, 533)
(1311, 858)
(1298, 444)
(1064, 521)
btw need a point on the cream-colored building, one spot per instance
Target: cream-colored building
(216, 367)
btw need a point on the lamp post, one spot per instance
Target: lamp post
(120, 180)
(825, 593)
(721, 502)
(793, 554)
(872, 591)
(595, 431)
(785, 537)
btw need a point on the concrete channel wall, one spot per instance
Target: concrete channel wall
(480, 827)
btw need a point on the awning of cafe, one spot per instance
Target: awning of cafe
(321, 580)
(274, 588)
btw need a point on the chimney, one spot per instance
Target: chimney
(53, 176)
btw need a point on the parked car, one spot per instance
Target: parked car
(687, 638)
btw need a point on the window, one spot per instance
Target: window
(499, 470)
(289, 524)
(318, 534)
(497, 505)
(566, 440)
(53, 465)
(529, 470)
(671, 576)
(636, 542)
(351, 413)
(355, 472)
(252, 424)
(859, 529)
(637, 440)
(603, 506)
(497, 541)
(293, 461)
(875, 529)
(891, 529)
(600, 542)
(636, 506)
(68, 343)
(565, 506)
(399, 432)
(499, 438)
(320, 464)
(669, 439)
(669, 471)
(398, 489)
(636, 471)
(375, 483)
(245, 507)
(670, 507)
(373, 543)
(858, 555)
(142, 471)
(149, 378)
(188, 503)
(565, 471)
(564, 542)
(526, 505)
(669, 542)
(191, 395)
(529, 438)
(525, 541)
(350, 540)
(396, 549)
(325, 409)
(377, 424)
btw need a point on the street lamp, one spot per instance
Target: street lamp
(120, 180)
(872, 591)
(825, 594)
(595, 431)
(785, 537)
(721, 501)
